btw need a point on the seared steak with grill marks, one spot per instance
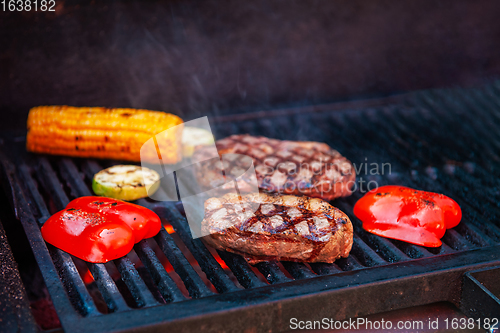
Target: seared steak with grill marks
(277, 227)
(289, 167)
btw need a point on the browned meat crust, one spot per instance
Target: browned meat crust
(277, 227)
(289, 167)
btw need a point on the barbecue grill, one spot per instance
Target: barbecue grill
(444, 141)
(353, 74)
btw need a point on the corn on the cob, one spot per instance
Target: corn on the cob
(104, 133)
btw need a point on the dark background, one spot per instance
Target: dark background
(219, 57)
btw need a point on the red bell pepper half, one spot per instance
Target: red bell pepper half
(99, 229)
(413, 216)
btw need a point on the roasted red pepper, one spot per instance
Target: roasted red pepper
(99, 229)
(413, 216)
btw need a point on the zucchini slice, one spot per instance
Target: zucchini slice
(126, 182)
(194, 136)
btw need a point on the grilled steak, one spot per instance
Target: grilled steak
(277, 227)
(289, 167)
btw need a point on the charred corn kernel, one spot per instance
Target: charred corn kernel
(104, 133)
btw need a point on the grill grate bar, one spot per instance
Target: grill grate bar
(62, 260)
(451, 236)
(105, 283)
(481, 123)
(484, 165)
(383, 247)
(325, 269)
(166, 285)
(412, 251)
(241, 270)
(48, 178)
(362, 250)
(376, 242)
(430, 101)
(494, 93)
(73, 178)
(489, 102)
(128, 273)
(349, 264)
(73, 282)
(441, 154)
(486, 131)
(462, 244)
(480, 201)
(90, 168)
(134, 282)
(479, 176)
(353, 147)
(272, 272)
(476, 235)
(390, 253)
(371, 256)
(368, 134)
(298, 270)
(365, 253)
(107, 287)
(454, 145)
(471, 196)
(456, 240)
(485, 136)
(207, 262)
(110, 293)
(494, 98)
(28, 181)
(192, 281)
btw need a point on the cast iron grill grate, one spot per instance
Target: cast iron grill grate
(441, 141)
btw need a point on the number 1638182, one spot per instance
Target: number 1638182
(28, 5)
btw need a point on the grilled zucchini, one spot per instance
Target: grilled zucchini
(126, 182)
